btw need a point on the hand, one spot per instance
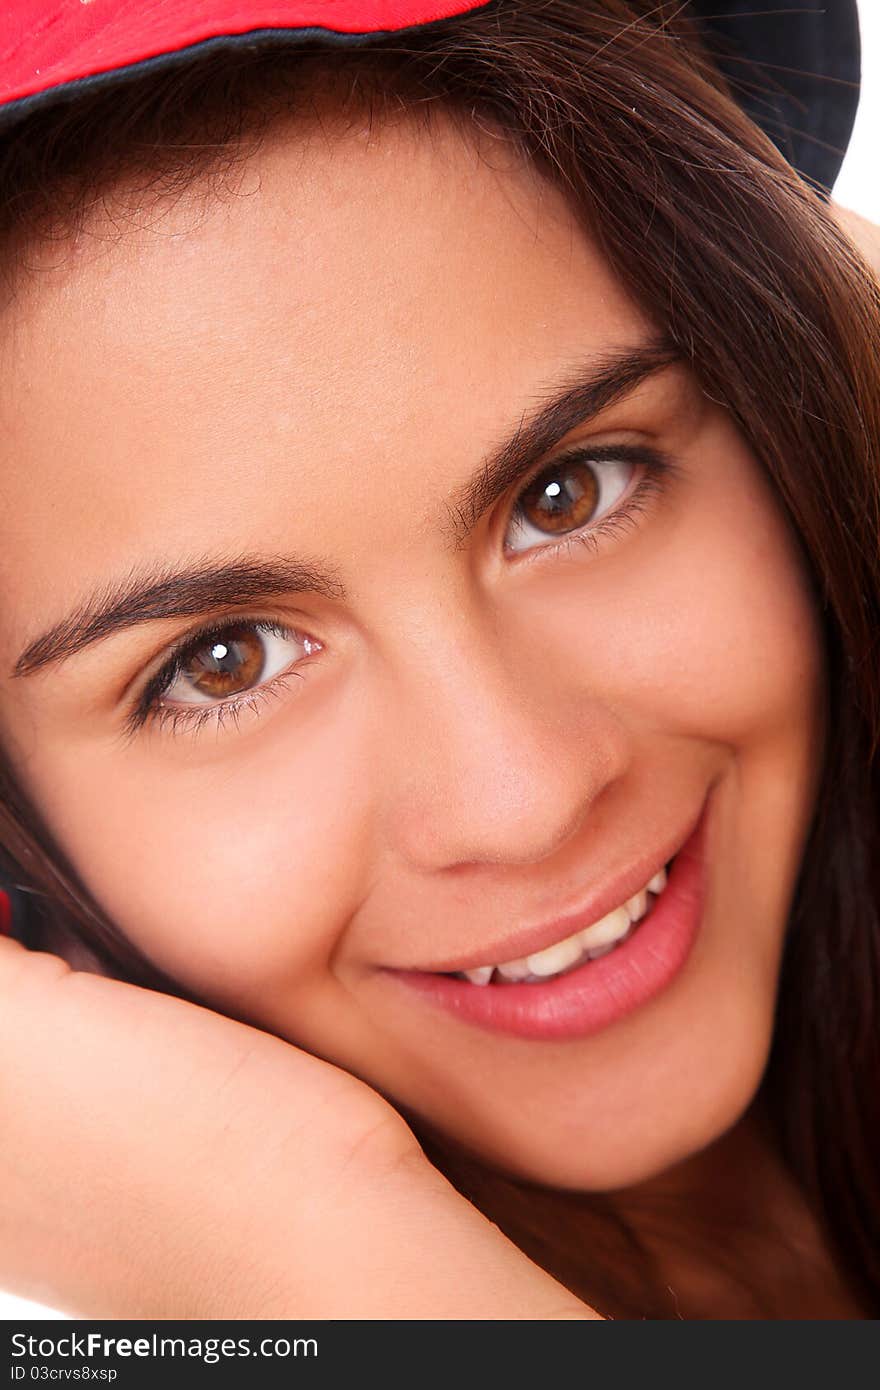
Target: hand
(159, 1160)
(138, 1132)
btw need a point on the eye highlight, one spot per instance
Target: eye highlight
(581, 489)
(217, 673)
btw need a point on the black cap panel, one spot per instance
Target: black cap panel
(796, 69)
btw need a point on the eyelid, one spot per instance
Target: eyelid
(655, 462)
(171, 659)
(657, 465)
(645, 454)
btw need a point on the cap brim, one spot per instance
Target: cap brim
(47, 44)
(796, 73)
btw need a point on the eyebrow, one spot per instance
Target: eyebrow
(576, 401)
(192, 592)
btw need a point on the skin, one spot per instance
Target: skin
(863, 234)
(481, 735)
(115, 1194)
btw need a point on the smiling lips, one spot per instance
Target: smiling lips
(587, 944)
(591, 978)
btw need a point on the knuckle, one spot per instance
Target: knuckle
(382, 1149)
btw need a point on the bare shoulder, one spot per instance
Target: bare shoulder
(865, 234)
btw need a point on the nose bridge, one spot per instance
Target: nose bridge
(490, 758)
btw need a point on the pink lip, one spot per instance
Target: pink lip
(526, 940)
(599, 992)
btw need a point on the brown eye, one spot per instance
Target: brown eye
(226, 664)
(566, 495)
(231, 660)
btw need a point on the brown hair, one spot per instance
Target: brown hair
(740, 264)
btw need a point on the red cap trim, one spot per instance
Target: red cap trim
(45, 43)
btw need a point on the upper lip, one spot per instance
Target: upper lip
(599, 901)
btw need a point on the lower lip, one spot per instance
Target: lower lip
(599, 992)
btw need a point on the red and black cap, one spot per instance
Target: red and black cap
(795, 68)
(13, 912)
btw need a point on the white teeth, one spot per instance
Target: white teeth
(555, 958)
(637, 905)
(607, 930)
(601, 950)
(594, 941)
(514, 970)
(480, 976)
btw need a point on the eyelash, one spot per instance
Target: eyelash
(623, 516)
(149, 710)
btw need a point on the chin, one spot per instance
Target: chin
(627, 1134)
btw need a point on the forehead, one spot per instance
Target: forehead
(312, 361)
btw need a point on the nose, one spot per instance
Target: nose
(491, 758)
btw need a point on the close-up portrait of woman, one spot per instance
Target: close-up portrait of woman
(439, 662)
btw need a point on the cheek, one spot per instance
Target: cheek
(724, 650)
(730, 647)
(233, 877)
(702, 635)
(701, 625)
(729, 650)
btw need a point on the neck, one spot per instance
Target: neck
(750, 1246)
(727, 1234)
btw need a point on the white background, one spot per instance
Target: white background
(858, 188)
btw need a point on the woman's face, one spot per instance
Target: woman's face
(434, 715)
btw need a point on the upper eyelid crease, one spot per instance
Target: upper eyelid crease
(172, 658)
(613, 378)
(148, 704)
(175, 596)
(659, 470)
(648, 457)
